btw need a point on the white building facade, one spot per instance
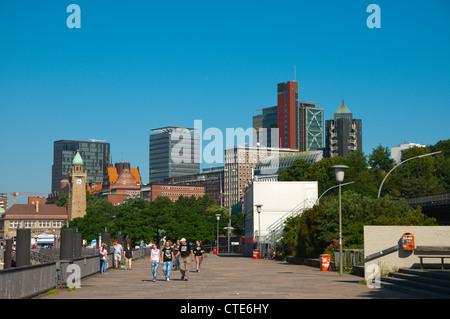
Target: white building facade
(279, 201)
(397, 151)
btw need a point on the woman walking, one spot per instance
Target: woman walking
(166, 260)
(198, 252)
(103, 258)
(128, 254)
(154, 260)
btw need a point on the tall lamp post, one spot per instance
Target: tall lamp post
(420, 156)
(229, 204)
(258, 209)
(340, 171)
(217, 240)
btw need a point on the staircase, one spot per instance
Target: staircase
(422, 283)
(275, 231)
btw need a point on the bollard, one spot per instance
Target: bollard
(106, 238)
(23, 247)
(8, 254)
(77, 243)
(66, 249)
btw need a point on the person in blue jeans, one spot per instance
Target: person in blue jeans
(103, 258)
(166, 260)
(154, 260)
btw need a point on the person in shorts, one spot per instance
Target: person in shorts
(118, 250)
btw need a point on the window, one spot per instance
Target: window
(14, 224)
(29, 224)
(57, 224)
(44, 223)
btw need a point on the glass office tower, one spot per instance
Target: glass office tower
(95, 155)
(173, 151)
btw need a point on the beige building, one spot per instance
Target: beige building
(240, 162)
(76, 204)
(41, 219)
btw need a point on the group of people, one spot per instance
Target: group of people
(119, 252)
(177, 256)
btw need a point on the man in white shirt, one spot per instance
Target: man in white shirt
(118, 250)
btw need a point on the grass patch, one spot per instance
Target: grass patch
(52, 292)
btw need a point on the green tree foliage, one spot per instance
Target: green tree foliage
(317, 227)
(62, 200)
(381, 158)
(141, 220)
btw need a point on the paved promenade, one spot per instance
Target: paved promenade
(227, 277)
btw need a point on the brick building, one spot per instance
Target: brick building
(120, 183)
(40, 218)
(172, 191)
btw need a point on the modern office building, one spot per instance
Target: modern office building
(309, 127)
(267, 170)
(173, 151)
(267, 120)
(343, 133)
(299, 123)
(211, 178)
(240, 162)
(96, 157)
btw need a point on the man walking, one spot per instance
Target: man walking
(118, 251)
(186, 255)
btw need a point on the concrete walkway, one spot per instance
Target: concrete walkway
(227, 277)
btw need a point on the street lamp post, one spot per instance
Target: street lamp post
(217, 240)
(258, 209)
(420, 156)
(340, 171)
(229, 204)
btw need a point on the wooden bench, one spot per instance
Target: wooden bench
(432, 252)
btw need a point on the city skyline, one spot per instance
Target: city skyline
(130, 68)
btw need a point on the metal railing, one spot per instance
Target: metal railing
(274, 232)
(351, 258)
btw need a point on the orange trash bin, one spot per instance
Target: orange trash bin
(325, 262)
(256, 254)
(215, 250)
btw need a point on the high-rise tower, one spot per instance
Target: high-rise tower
(76, 204)
(343, 133)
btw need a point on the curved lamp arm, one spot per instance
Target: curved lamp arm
(420, 156)
(318, 200)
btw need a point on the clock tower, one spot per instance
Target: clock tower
(76, 204)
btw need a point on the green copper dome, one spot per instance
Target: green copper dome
(77, 159)
(343, 109)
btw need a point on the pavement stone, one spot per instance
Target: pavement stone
(226, 277)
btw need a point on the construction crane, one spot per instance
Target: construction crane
(15, 194)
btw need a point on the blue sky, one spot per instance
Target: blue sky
(134, 66)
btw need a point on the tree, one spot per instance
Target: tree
(319, 226)
(381, 158)
(62, 200)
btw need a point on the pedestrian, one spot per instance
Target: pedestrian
(198, 252)
(103, 258)
(166, 260)
(154, 260)
(186, 254)
(118, 250)
(176, 248)
(128, 255)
